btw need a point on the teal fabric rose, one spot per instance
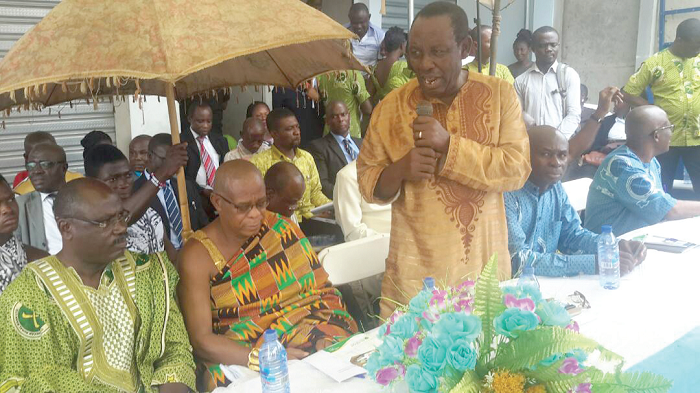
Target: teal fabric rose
(462, 356)
(521, 291)
(391, 349)
(374, 363)
(420, 380)
(553, 314)
(432, 354)
(513, 321)
(548, 361)
(419, 303)
(458, 326)
(405, 327)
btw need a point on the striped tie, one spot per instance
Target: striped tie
(348, 148)
(173, 211)
(209, 167)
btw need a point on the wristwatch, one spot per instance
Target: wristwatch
(596, 118)
(156, 182)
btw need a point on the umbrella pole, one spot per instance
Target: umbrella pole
(495, 32)
(181, 186)
(478, 37)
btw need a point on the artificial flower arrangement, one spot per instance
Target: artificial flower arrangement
(479, 337)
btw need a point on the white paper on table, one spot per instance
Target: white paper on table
(334, 367)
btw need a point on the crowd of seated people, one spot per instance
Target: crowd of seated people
(175, 310)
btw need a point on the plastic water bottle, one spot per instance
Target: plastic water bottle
(273, 364)
(608, 259)
(527, 277)
(686, 177)
(429, 284)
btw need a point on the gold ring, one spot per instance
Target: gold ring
(420, 134)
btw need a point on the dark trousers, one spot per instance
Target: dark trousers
(669, 165)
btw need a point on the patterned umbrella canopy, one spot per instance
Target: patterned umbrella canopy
(90, 48)
(96, 49)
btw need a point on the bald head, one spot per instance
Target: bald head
(36, 138)
(540, 135)
(80, 195)
(281, 174)
(285, 187)
(338, 118)
(549, 153)
(236, 174)
(643, 120)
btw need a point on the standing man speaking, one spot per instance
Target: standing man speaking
(444, 173)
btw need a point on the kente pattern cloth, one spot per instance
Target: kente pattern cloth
(501, 71)
(145, 236)
(548, 225)
(12, 261)
(348, 87)
(304, 161)
(675, 84)
(626, 193)
(274, 282)
(63, 336)
(397, 77)
(449, 226)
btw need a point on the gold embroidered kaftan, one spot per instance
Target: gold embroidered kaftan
(449, 226)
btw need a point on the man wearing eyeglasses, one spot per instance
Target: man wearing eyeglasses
(47, 168)
(626, 191)
(252, 270)
(550, 91)
(94, 317)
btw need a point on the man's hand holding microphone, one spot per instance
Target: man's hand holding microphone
(432, 143)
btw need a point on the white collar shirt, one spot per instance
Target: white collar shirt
(201, 179)
(367, 49)
(540, 98)
(54, 240)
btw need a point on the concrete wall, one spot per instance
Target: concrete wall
(599, 40)
(131, 120)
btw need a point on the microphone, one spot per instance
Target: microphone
(424, 108)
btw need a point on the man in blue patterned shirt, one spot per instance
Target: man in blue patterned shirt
(542, 221)
(626, 191)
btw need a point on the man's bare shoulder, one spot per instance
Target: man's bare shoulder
(194, 259)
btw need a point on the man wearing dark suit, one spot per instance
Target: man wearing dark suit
(335, 150)
(47, 168)
(166, 202)
(205, 151)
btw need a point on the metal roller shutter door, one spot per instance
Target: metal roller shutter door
(397, 13)
(16, 18)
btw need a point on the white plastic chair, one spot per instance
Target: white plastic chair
(355, 260)
(577, 191)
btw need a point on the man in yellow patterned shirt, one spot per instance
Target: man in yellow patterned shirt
(284, 127)
(445, 173)
(674, 77)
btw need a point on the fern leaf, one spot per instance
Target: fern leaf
(643, 382)
(488, 304)
(469, 384)
(533, 346)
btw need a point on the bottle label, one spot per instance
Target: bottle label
(608, 264)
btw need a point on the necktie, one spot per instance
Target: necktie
(349, 149)
(173, 212)
(209, 167)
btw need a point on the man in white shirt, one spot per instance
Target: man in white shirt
(539, 90)
(366, 49)
(47, 168)
(205, 151)
(356, 217)
(252, 140)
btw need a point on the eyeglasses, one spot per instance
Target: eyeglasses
(45, 165)
(245, 208)
(122, 217)
(668, 127)
(150, 153)
(579, 300)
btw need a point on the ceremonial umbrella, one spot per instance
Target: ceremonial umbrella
(94, 50)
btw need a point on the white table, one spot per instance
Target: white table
(654, 306)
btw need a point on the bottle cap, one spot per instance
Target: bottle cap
(606, 229)
(428, 283)
(270, 335)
